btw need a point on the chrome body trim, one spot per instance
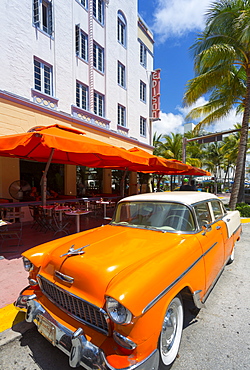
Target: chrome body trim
(213, 283)
(197, 300)
(64, 278)
(124, 341)
(170, 286)
(77, 347)
(239, 227)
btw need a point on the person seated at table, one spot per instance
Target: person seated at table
(34, 194)
(51, 194)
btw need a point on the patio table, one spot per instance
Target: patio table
(77, 213)
(104, 202)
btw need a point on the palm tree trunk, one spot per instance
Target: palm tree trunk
(241, 195)
(241, 158)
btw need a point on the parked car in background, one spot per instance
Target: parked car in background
(112, 297)
(247, 195)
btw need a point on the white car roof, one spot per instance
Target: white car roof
(187, 197)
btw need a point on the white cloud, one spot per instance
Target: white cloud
(228, 122)
(185, 110)
(175, 18)
(169, 123)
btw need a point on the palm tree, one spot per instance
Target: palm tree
(229, 150)
(222, 64)
(194, 151)
(157, 143)
(172, 146)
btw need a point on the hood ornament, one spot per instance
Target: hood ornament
(75, 252)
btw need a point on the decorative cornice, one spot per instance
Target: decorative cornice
(145, 29)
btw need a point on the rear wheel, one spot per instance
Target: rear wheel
(231, 258)
(170, 337)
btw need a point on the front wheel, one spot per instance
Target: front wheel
(170, 336)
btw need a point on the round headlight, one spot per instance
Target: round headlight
(117, 312)
(28, 266)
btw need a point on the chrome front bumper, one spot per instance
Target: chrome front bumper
(81, 352)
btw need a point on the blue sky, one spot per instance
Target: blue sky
(175, 24)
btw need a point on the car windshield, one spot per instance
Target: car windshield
(162, 216)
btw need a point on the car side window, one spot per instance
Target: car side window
(217, 209)
(203, 214)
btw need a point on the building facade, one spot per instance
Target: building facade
(82, 63)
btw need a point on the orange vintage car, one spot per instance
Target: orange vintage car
(112, 297)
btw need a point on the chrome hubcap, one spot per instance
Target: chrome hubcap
(169, 330)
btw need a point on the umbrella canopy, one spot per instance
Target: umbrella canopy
(157, 163)
(61, 144)
(70, 147)
(167, 166)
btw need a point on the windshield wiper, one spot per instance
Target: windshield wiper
(154, 228)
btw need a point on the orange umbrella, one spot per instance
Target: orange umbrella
(60, 144)
(191, 170)
(70, 147)
(165, 166)
(168, 166)
(156, 163)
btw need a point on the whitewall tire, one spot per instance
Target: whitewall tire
(171, 332)
(231, 258)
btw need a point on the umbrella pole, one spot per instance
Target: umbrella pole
(122, 184)
(43, 181)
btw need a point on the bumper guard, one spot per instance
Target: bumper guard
(81, 352)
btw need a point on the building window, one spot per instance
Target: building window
(143, 92)
(143, 55)
(99, 104)
(42, 15)
(81, 96)
(98, 10)
(143, 126)
(83, 3)
(81, 43)
(98, 57)
(121, 28)
(43, 77)
(121, 117)
(121, 74)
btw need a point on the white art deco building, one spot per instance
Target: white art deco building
(86, 64)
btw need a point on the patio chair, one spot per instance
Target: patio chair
(42, 221)
(11, 234)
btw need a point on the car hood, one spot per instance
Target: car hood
(112, 256)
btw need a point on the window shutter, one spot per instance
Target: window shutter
(50, 21)
(36, 18)
(77, 39)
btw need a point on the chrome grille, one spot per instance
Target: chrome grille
(76, 307)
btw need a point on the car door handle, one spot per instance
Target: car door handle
(218, 227)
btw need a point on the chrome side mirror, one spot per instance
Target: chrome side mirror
(206, 228)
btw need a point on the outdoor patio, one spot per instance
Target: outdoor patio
(33, 235)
